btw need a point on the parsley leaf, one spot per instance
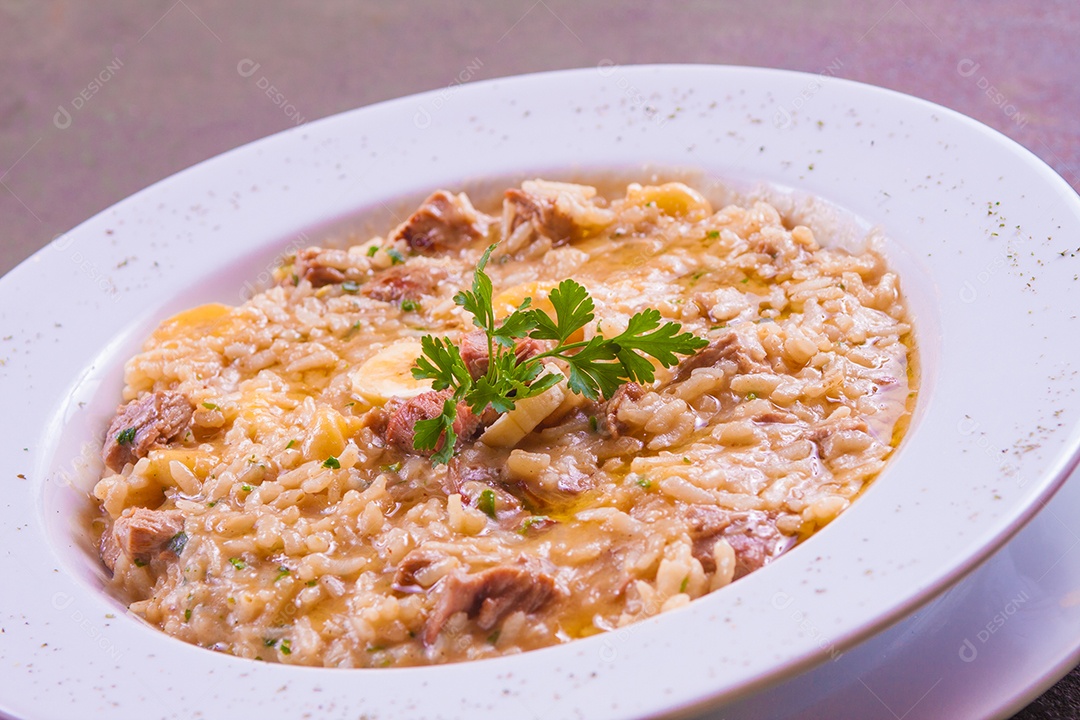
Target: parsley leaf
(644, 333)
(594, 369)
(486, 503)
(517, 324)
(597, 366)
(479, 300)
(442, 364)
(428, 432)
(573, 311)
(177, 542)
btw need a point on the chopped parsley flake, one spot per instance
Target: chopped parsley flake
(139, 562)
(409, 305)
(594, 424)
(528, 523)
(281, 572)
(332, 463)
(372, 250)
(238, 563)
(246, 488)
(486, 503)
(397, 257)
(187, 614)
(269, 642)
(396, 467)
(712, 234)
(177, 543)
(350, 287)
(285, 647)
(126, 437)
(644, 482)
(290, 445)
(210, 406)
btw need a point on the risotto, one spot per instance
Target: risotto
(263, 494)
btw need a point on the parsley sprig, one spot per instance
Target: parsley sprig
(598, 366)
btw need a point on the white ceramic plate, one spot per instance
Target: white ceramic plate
(983, 649)
(983, 235)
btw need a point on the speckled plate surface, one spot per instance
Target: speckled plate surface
(983, 234)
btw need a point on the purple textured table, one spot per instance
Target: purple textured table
(98, 100)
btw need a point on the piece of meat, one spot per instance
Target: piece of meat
(729, 346)
(628, 392)
(463, 469)
(706, 524)
(142, 535)
(838, 437)
(539, 211)
(443, 222)
(489, 596)
(377, 419)
(848, 424)
(411, 281)
(573, 481)
(416, 560)
(774, 416)
(314, 264)
(153, 419)
(754, 545)
(751, 534)
(401, 425)
(474, 351)
(478, 468)
(561, 212)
